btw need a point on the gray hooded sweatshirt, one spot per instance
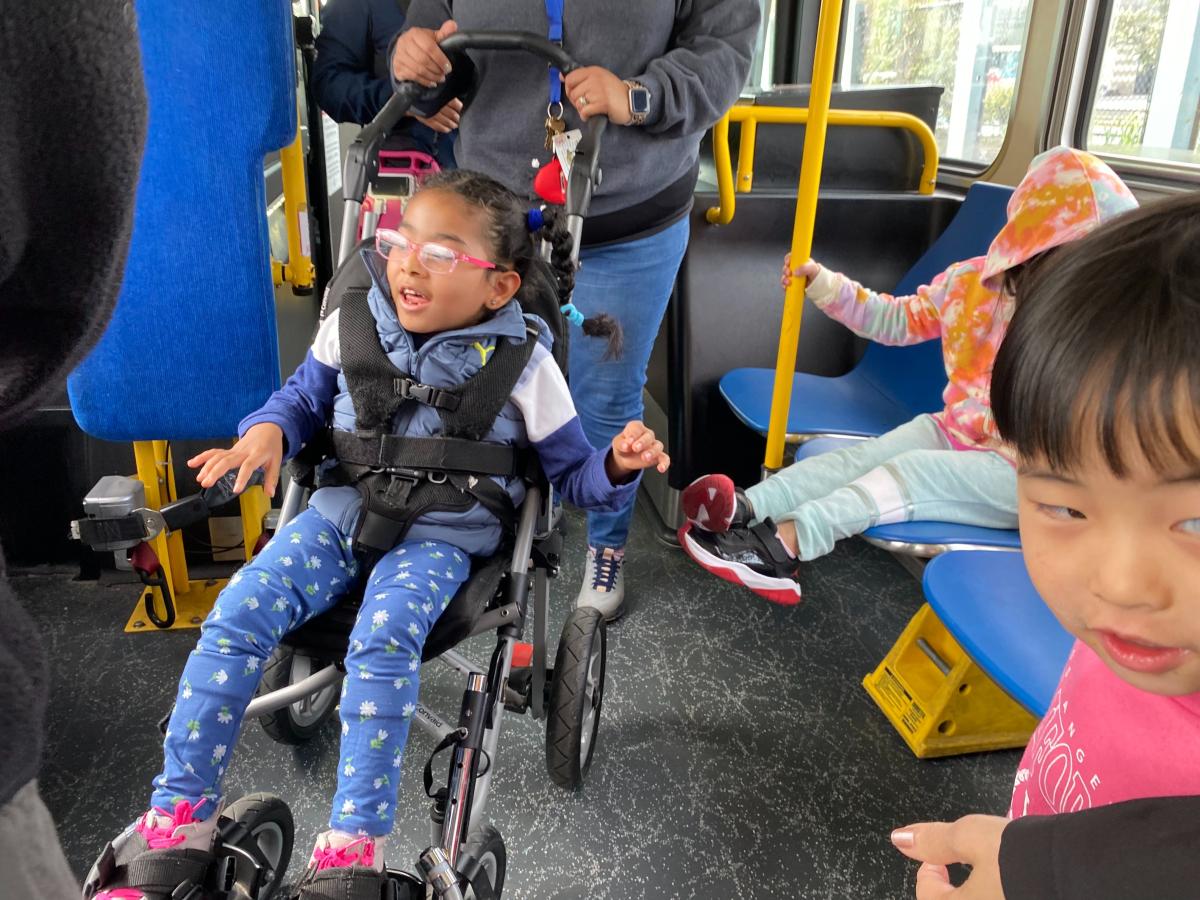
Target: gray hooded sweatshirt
(693, 56)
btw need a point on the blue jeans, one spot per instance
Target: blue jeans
(631, 282)
(304, 570)
(910, 473)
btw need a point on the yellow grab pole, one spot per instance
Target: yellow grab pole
(724, 169)
(745, 166)
(802, 231)
(299, 269)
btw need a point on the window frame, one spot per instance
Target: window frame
(955, 169)
(1070, 114)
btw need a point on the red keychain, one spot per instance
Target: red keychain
(550, 183)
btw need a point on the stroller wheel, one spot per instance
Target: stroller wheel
(483, 863)
(300, 721)
(269, 829)
(576, 696)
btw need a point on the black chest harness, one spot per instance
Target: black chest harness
(403, 478)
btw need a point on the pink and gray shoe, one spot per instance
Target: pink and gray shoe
(343, 866)
(155, 856)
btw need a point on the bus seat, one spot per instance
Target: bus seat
(922, 538)
(987, 602)
(192, 344)
(890, 385)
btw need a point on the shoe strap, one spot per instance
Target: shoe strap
(768, 534)
(352, 883)
(162, 871)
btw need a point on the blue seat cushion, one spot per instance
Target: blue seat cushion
(988, 603)
(848, 404)
(192, 344)
(918, 533)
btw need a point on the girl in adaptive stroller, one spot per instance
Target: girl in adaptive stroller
(410, 368)
(917, 471)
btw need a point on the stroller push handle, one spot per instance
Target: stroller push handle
(362, 157)
(408, 92)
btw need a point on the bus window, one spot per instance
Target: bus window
(972, 48)
(1147, 88)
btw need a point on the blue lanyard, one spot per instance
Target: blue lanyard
(554, 12)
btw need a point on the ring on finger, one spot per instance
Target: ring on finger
(583, 100)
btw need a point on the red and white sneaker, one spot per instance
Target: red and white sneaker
(752, 556)
(713, 503)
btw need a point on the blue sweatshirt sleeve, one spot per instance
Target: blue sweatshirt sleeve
(573, 465)
(345, 78)
(301, 407)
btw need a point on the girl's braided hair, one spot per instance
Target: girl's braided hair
(516, 233)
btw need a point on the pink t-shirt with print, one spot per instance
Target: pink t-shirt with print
(1103, 741)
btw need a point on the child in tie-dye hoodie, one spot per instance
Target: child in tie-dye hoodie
(950, 466)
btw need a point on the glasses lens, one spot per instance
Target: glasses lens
(387, 242)
(437, 258)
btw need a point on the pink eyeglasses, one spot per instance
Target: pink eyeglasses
(436, 258)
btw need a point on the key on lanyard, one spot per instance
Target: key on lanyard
(554, 123)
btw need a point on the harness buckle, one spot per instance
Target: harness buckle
(407, 389)
(436, 477)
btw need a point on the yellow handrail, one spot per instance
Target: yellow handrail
(299, 268)
(802, 230)
(750, 116)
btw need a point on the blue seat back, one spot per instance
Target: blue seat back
(192, 345)
(916, 376)
(986, 600)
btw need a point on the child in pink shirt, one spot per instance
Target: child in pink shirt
(1097, 388)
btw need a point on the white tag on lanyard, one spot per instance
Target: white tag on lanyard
(564, 149)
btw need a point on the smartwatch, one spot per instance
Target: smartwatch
(639, 102)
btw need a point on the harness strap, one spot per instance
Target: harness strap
(439, 454)
(484, 394)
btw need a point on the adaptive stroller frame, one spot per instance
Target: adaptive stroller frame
(466, 857)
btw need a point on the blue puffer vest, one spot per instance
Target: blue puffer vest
(445, 360)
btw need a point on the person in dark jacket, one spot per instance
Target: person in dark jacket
(65, 69)
(351, 79)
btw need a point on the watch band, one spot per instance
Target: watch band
(637, 118)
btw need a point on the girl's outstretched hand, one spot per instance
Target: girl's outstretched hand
(808, 271)
(634, 449)
(261, 447)
(972, 840)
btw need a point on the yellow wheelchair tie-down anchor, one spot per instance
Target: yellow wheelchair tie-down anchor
(939, 700)
(192, 598)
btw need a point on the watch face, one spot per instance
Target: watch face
(639, 101)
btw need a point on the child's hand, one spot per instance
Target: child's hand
(972, 840)
(261, 447)
(634, 449)
(808, 271)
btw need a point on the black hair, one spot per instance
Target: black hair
(1014, 280)
(1107, 340)
(515, 245)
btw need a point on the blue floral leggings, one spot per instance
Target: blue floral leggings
(305, 569)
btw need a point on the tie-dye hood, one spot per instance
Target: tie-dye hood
(1065, 194)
